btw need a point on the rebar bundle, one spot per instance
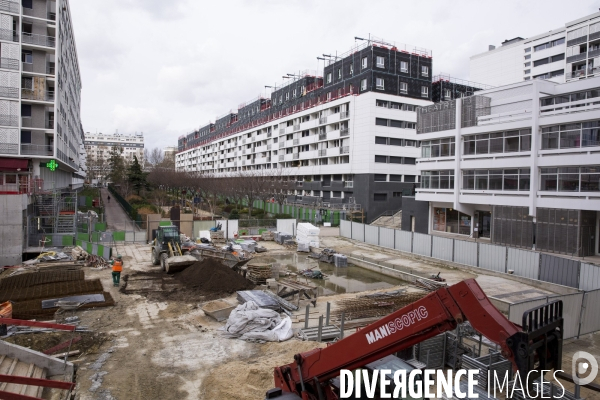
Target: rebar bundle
(374, 305)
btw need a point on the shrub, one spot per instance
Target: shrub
(282, 216)
(134, 199)
(244, 210)
(257, 211)
(228, 207)
(145, 209)
(234, 214)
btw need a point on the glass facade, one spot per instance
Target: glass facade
(451, 221)
(437, 179)
(497, 179)
(570, 179)
(498, 142)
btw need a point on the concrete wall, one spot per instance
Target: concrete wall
(417, 209)
(11, 229)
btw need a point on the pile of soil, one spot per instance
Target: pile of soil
(89, 344)
(210, 277)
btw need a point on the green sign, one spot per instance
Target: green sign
(52, 165)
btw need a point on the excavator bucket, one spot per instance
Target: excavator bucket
(539, 345)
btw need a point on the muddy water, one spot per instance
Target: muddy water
(339, 280)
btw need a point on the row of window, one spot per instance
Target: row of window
(395, 141)
(576, 33)
(570, 179)
(394, 178)
(438, 148)
(394, 123)
(563, 179)
(550, 44)
(394, 160)
(549, 75)
(549, 60)
(566, 98)
(498, 142)
(379, 63)
(395, 106)
(570, 136)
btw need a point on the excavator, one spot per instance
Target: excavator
(534, 346)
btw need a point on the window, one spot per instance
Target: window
(287, 96)
(570, 179)
(363, 85)
(380, 62)
(438, 148)
(381, 121)
(412, 178)
(436, 179)
(27, 3)
(424, 91)
(26, 110)
(395, 160)
(379, 83)
(351, 69)
(527, 71)
(527, 64)
(528, 56)
(26, 55)
(363, 63)
(410, 160)
(498, 142)
(381, 159)
(380, 140)
(497, 179)
(403, 66)
(395, 178)
(424, 70)
(396, 194)
(549, 75)
(328, 95)
(447, 94)
(380, 178)
(395, 142)
(577, 33)
(403, 87)
(329, 77)
(570, 136)
(294, 94)
(528, 49)
(339, 73)
(380, 196)
(451, 221)
(25, 136)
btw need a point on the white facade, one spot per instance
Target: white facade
(562, 54)
(39, 97)
(99, 146)
(337, 137)
(533, 144)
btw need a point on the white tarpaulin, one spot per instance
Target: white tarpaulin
(250, 322)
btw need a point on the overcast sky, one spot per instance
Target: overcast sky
(166, 67)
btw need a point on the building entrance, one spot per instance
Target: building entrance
(484, 223)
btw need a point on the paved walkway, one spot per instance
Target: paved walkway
(116, 218)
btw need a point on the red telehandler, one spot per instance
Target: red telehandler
(535, 346)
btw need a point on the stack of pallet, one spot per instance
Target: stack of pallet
(259, 273)
(308, 234)
(217, 237)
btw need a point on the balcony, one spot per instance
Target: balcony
(36, 150)
(10, 35)
(296, 127)
(281, 144)
(576, 74)
(593, 53)
(323, 120)
(268, 147)
(296, 156)
(9, 120)
(344, 132)
(344, 114)
(9, 63)
(10, 6)
(39, 40)
(281, 157)
(577, 57)
(41, 95)
(323, 153)
(52, 16)
(9, 148)
(281, 131)
(10, 92)
(322, 136)
(296, 142)
(345, 150)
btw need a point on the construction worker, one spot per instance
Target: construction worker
(117, 267)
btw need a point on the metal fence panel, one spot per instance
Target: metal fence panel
(524, 263)
(130, 236)
(492, 257)
(465, 252)
(202, 226)
(386, 237)
(372, 234)
(358, 231)
(443, 248)
(403, 241)
(422, 244)
(559, 270)
(571, 313)
(140, 236)
(229, 227)
(589, 277)
(346, 229)
(590, 318)
(286, 226)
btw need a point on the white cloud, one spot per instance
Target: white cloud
(168, 67)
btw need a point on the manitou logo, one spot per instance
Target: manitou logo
(397, 325)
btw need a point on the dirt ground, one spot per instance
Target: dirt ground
(159, 347)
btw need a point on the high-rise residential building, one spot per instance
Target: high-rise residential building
(564, 54)
(41, 137)
(517, 164)
(346, 137)
(98, 147)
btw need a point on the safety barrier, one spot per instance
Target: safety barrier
(502, 259)
(95, 248)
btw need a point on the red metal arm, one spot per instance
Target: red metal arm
(436, 313)
(37, 324)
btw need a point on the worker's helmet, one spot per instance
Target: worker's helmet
(119, 256)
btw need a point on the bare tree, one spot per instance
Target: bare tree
(280, 186)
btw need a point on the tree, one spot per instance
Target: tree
(117, 163)
(136, 177)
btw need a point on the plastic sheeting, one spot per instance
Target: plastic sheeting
(250, 322)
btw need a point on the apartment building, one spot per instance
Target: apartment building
(41, 137)
(98, 147)
(346, 138)
(563, 54)
(516, 165)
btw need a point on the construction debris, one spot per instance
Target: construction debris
(375, 305)
(259, 297)
(250, 322)
(429, 285)
(259, 273)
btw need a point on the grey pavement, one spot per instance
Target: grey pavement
(115, 216)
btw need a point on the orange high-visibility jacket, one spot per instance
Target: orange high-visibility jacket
(117, 266)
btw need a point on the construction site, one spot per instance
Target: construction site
(213, 317)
